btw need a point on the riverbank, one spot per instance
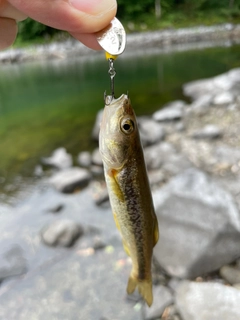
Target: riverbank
(62, 256)
(166, 40)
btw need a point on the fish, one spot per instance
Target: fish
(129, 191)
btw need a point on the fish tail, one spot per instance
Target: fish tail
(144, 288)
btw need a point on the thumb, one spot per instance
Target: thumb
(74, 16)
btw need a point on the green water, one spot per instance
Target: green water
(52, 104)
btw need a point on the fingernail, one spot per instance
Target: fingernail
(93, 6)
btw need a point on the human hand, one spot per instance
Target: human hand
(81, 18)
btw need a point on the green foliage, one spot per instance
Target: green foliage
(30, 29)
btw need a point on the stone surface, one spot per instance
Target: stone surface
(59, 159)
(219, 85)
(168, 114)
(155, 155)
(84, 159)
(70, 179)
(223, 98)
(230, 274)
(150, 131)
(199, 225)
(12, 262)
(96, 127)
(210, 131)
(162, 298)
(96, 157)
(227, 154)
(201, 104)
(61, 233)
(208, 301)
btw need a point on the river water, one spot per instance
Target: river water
(51, 104)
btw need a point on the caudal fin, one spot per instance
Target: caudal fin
(144, 288)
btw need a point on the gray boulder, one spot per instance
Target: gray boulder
(162, 298)
(223, 98)
(96, 127)
(12, 263)
(61, 233)
(208, 301)
(70, 179)
(230, 274)
(59, 159)
(199, 225)
(210, 131)
(155, 155)
(168, 114)
(96, 157)
(227, 154)
(84, 159)
(150, 131)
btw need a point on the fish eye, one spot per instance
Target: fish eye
(127, 126)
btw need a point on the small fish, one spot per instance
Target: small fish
(129, 191)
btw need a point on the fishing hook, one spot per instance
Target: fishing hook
(112, 72)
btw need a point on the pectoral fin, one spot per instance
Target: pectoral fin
(114, 184)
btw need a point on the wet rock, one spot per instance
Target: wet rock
(12, 263)
(162, 298)
(155, 155)
(59, 159)
(69, 180)
(96, 157)
(200, 225)
(84, 159)
(230, 274)
(96, 127)
(150, 131)
(223, 98)
(61, 233)
(168, 114)
(208, 301)
(208, 132)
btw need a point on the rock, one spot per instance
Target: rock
(223, 98)
(12, 263)
(226, 82)
(201, 104)
(155, 155)
(227, 154)
(168, 114)
(150, 131)
(208, 301)
(230, 274)
(96, 170)
(70, 179)
(210, 131)
(84, 159)
(59, 159)
(96, 127)
(56, 208)
(96, 157)
(237, 286)
(199, 225)
(175, 164)
(156, 177)
(162, 298)
(61, 233)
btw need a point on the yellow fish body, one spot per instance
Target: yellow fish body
(129, 191)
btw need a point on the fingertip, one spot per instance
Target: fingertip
(89, 40)
(8, 32)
